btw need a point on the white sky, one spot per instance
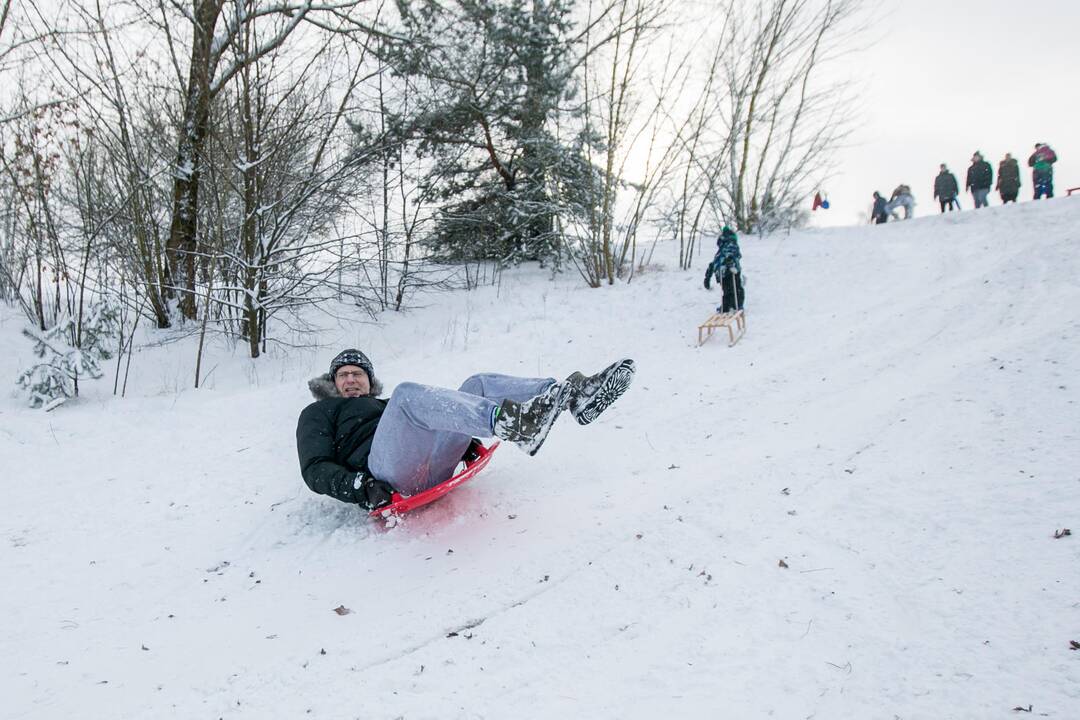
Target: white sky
(944, 78)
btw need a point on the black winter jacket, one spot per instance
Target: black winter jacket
(1008, 176)
(980, 176)
(333, 440)
(879, 208)
(945, 186)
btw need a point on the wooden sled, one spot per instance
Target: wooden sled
(735, 322)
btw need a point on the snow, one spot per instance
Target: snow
(898, 426)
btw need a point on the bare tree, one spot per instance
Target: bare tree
(612, 68)
(25, 29)
(782, 120)
(35, 261)
(279, 173)
(119, 123)
(216, 40)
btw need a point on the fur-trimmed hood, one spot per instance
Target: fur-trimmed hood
(323, 387)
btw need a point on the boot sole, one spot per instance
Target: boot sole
(615, 383)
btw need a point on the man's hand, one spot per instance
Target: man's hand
(374, 493)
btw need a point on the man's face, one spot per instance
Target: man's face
(352, 381)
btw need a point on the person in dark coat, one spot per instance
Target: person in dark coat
(980, 177)
(946, 189)
(879, 213)
(1008, 182)
(358, 448)
(1042, 173)
(727, 269)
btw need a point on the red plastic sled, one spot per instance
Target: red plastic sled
(404, 503)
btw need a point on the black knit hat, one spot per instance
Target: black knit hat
(352, 357)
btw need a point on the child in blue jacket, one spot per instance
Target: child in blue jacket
(726, 269)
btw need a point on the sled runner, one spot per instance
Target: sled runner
(723, 320)
(400, 504)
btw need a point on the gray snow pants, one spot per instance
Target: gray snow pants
(905, 201)
(425, 430)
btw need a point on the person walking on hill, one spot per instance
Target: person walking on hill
(1042, 173)
(901, 197)
(946, 189)
(1008, 182)
(727, 269)
(980, 177)
(879, 214)
(358, 448)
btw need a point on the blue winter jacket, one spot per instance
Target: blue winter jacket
(727, 257)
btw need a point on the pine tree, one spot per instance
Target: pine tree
(66, 356)
(489, 79)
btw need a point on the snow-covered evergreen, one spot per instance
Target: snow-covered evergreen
(66, 355)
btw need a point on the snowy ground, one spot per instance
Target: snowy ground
(899, 427)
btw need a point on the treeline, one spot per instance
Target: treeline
(220, 164)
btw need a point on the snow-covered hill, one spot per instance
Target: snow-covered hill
(899, 427)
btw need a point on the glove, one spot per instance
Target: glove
(372, 492)
(472, 453)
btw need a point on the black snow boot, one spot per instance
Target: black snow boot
(527, 423)
(592, 395)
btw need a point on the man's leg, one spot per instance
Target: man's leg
(496, 387)
(425, 430)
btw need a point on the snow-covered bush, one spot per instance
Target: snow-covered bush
(54, 379)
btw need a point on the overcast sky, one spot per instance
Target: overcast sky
(944, 78)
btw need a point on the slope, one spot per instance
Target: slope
(898, 427)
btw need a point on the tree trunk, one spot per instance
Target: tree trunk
(182, 245)
(253, 260)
